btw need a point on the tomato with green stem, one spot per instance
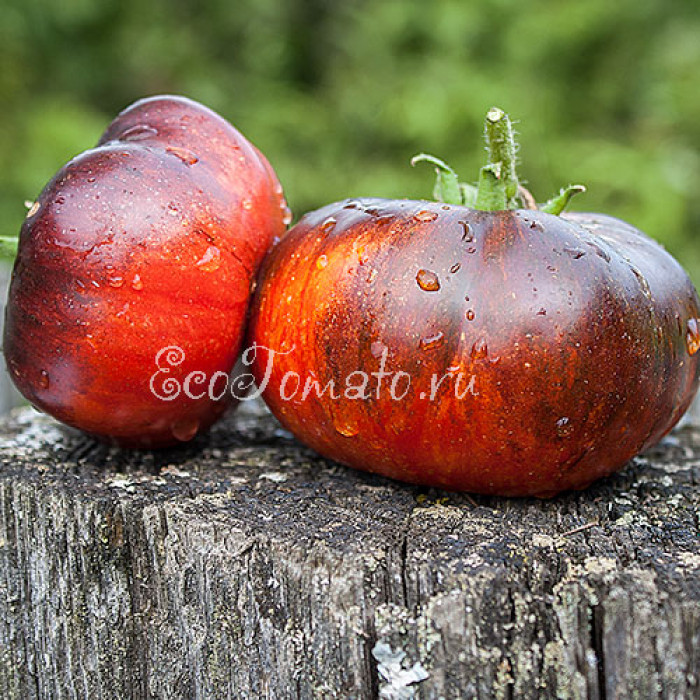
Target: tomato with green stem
(476, 342)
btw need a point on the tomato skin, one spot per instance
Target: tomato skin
(573, 328)
(151, 239)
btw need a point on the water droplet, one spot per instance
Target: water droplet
(425, 216)
(211, 260)
(115, 281)
(287, 214)
(91, 180)
(599, 251)
(480, 349)
(95, 284)
(328, 224)
(377, 348)
(60, 200)
(644, 285)
(353, 204)
(79, 284)
(575, 253)
(542, 312)
(471, 250)
(455, 267)
(362, 257)
(187, 157)
(470, 315)
(536, 226)
(321, 261)
(372, 211)
(467, 235)
(564, 427)
(346, 428)
(692, 336)
(136, 283)
(33, 209)
(185, 429)
(372, 275)
(247, 204)
(428, 281)
(432, 341)
(140, 132)
(44, 379)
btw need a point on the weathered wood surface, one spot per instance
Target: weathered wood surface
(245, 566)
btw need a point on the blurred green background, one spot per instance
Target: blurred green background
(340, 95)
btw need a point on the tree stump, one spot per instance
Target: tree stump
(243, 565)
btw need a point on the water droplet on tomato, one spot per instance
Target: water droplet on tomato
(575, 253)
(432, 341)
(321, 261)
(644, 285)
(362, 257)
(467, 235)
(470, 315)
(211, 260)
(185, 429)
(542, 312)
(247, 204)
(44, 380)
(187, 157)
(140, 132)
(115, 281)
(536, 226)
(599, 251)
(425, 216)
(328, 224)
(287, 214)
(33, 209)
(692, 336)
(136, 283)
(347, 427)
(455, 267)
(480, 349)
(428, 281)
(564, 427)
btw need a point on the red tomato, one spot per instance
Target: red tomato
(507, 351)
(149, 241)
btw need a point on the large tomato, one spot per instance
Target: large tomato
(486, 347)
(149, 241)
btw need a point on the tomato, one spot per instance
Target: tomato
(146, 244)
(478, 346)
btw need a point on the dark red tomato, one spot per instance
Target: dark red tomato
(510, 352)
(151, 240)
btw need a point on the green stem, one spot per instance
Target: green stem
(446, 188)
(501, 146)
(557, 204)
(492, 190)
(498, 187)
(8, 246)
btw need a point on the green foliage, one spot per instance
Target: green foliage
(341, 95)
